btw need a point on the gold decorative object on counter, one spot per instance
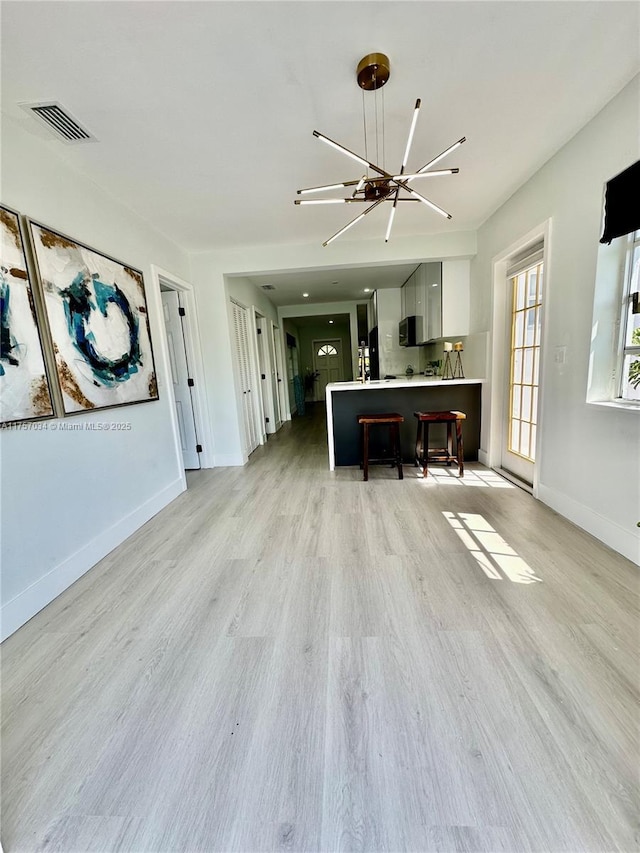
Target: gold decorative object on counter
(452, 371)
(447, 369)
(458, 372)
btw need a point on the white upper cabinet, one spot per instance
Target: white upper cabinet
(456, 297)
(439, 294)
(408, 297)
(432, 289)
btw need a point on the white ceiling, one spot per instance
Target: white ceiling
(204, 111)
(332, 285)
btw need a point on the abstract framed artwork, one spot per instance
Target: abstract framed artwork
(25, 393)
(96, 309)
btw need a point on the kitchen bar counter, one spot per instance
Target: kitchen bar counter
(347, 400)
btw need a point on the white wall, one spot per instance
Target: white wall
(589, 459)
(68, 498)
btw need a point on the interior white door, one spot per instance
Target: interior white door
(241, 334)
(180, 378)
(328, 364)
(262, 347)
(524, 333)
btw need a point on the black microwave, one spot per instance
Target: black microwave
(410, 331)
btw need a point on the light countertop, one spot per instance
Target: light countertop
(416, 381)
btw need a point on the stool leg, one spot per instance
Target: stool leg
(449, 444)
(425, 452)
(365, 451)
(418, 453)
(460, 448)
(398, 450)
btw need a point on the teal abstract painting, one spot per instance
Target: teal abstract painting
(96, 308)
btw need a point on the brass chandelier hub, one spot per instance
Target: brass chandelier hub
(373, 71)
(375, 190)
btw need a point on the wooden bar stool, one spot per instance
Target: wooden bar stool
(423, 453)
(393, 421)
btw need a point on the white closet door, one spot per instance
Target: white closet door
(241, 329)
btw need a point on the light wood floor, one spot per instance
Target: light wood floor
(290, 659)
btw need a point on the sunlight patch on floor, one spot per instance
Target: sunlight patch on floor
(496, 557)
(483, 478)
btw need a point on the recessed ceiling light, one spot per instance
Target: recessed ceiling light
(367, 290)
(305, 295)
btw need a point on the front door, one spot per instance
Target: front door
(180, 378)
(328, 364)
(524, 318)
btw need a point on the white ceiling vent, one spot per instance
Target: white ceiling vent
(59, 120)
(268, 286)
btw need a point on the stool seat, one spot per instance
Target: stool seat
(440, 417)
(391, 420)
(424, 454)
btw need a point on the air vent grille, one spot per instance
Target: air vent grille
(268, 286)
(59, 120)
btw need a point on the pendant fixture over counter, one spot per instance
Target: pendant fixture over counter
(372, 73)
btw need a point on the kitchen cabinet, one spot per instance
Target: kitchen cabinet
(408, 297)
(442, 299)
(456, 298)
(432, 301)
(372, 312)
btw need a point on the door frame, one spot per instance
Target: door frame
(275, 347)
(193, 348)
(263, 324)
(494, 396)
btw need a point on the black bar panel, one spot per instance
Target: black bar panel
(347, 405)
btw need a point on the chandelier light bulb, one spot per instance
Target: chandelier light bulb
(321, 189)
(320, 201)
(411, 132)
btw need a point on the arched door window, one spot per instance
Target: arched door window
(327, 349)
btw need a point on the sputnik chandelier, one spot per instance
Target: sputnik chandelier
(372, 73)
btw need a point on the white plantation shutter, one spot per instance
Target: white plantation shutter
(241, 334)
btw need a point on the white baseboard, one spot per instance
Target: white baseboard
(483, 458)
(31, 600)
(614, 535)
(228, 460)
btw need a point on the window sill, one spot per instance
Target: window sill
(629, 405)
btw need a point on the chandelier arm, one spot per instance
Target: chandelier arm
(351, 154)
(391, 216)
(336, 186)
(424, 200)
(350, 200)
(411, 132)
(353, 222)
(436, 173)
(444, 154)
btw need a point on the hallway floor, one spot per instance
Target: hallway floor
(291, 659)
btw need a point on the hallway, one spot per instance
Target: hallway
(291, 659)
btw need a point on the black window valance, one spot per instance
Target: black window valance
(622, 204)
